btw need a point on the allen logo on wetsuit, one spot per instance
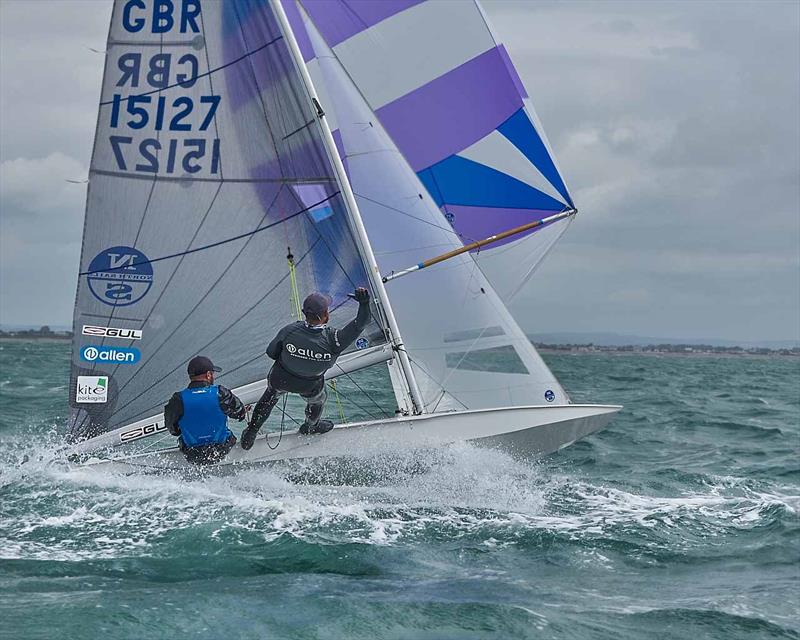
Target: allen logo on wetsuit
(307, 354)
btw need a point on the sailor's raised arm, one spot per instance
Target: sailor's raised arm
(347, 335)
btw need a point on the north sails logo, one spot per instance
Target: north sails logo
(120, 276)
(307, 354)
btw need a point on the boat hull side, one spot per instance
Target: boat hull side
(523, 431)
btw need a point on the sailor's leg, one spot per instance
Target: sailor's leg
(314, 408)
(260, 414)
(264, 407)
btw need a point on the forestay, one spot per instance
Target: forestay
(445, 90)
(466, 349)
(208, 164)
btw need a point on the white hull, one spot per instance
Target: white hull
(523, 431)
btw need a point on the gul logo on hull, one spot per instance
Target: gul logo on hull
(114, 355)
(549, 395)
(92, 389)
(142, 432)
(112, 332)
(120, 276)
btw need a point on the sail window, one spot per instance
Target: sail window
(474, 334)
(495, 360)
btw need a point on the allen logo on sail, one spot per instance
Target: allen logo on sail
(114, 355)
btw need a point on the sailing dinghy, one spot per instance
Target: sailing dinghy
(249, 150)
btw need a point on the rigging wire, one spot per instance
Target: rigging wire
(368, 396)
(280, 437)
(294, 296)
(474, 342)
(413, 217)
(332, 385)
(177, 267)
(214, 244)
(221, 333)
(419, 365)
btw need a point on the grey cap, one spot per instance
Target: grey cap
(316, 305)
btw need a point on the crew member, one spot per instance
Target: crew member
(198, 415)
(303, 351)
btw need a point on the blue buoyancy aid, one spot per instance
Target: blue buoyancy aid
(202, 421)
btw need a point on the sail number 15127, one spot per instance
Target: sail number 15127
(189, 155)
(175, 115)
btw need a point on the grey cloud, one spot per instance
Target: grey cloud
(675, 125)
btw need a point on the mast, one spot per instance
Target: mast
(355, 217)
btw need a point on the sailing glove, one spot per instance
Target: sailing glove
(361, 295)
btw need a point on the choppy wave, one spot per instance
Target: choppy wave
(680, 521)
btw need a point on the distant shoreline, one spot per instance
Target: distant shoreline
(695, 353)
(589, 350)
(35, 338)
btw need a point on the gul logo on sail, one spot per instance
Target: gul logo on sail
(120, 276)
(112, 332)
(114, 355)
(92, 389)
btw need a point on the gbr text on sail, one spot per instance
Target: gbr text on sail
(162, 111)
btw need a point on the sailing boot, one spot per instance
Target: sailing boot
(260, 415)
(313, 423)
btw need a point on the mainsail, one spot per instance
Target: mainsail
(208, 169)
(445, 90)
(466, 350)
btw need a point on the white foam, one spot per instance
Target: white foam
(457, 492)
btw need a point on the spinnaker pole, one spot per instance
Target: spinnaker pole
(355, 217)
(479, 243)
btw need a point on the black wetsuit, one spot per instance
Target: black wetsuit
(302, 354)
(229, 404)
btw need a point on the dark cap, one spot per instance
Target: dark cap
(199, 365)
(316, 305)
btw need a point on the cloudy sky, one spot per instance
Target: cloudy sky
(676, 124)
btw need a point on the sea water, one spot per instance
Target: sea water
(680, 520)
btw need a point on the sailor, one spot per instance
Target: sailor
(198, 415)
(303, 351)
